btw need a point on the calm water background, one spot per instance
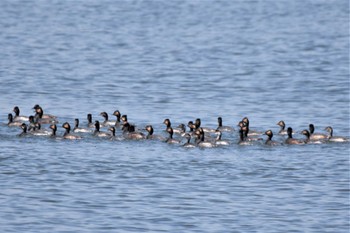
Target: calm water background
(268, 60)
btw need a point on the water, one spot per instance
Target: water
(268, 60)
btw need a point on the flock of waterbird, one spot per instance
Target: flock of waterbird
(196, 136)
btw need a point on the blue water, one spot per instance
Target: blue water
(182, 60)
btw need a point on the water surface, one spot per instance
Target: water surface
(181, 60)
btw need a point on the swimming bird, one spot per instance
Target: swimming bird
(107, 122)
(282, 130)
(127, 128)
(170, 139)
(180, 129)
(39, 132)
(43, 118)
(118, 115)
(249, 132)
(243, 139)
(332, 138)
(269, 140)
(124, 118)
(167, 123)
(201, 142)
(32, 123)
(12, 123)
(311, 140)
(188, 143)
(39, 117)
(198, 123)
(291, 140)
(113, 136)
(129, 131)
(126, 125)
(78, 129)
(53, 127)
(192, 127)
(90, 124)
(67, 134)
(219, 141)
(316, 136)
(17, 117)
(223, 128)
(150, 134)
(245, 130)
(24, 130)
(308, 138)
(97, 131)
